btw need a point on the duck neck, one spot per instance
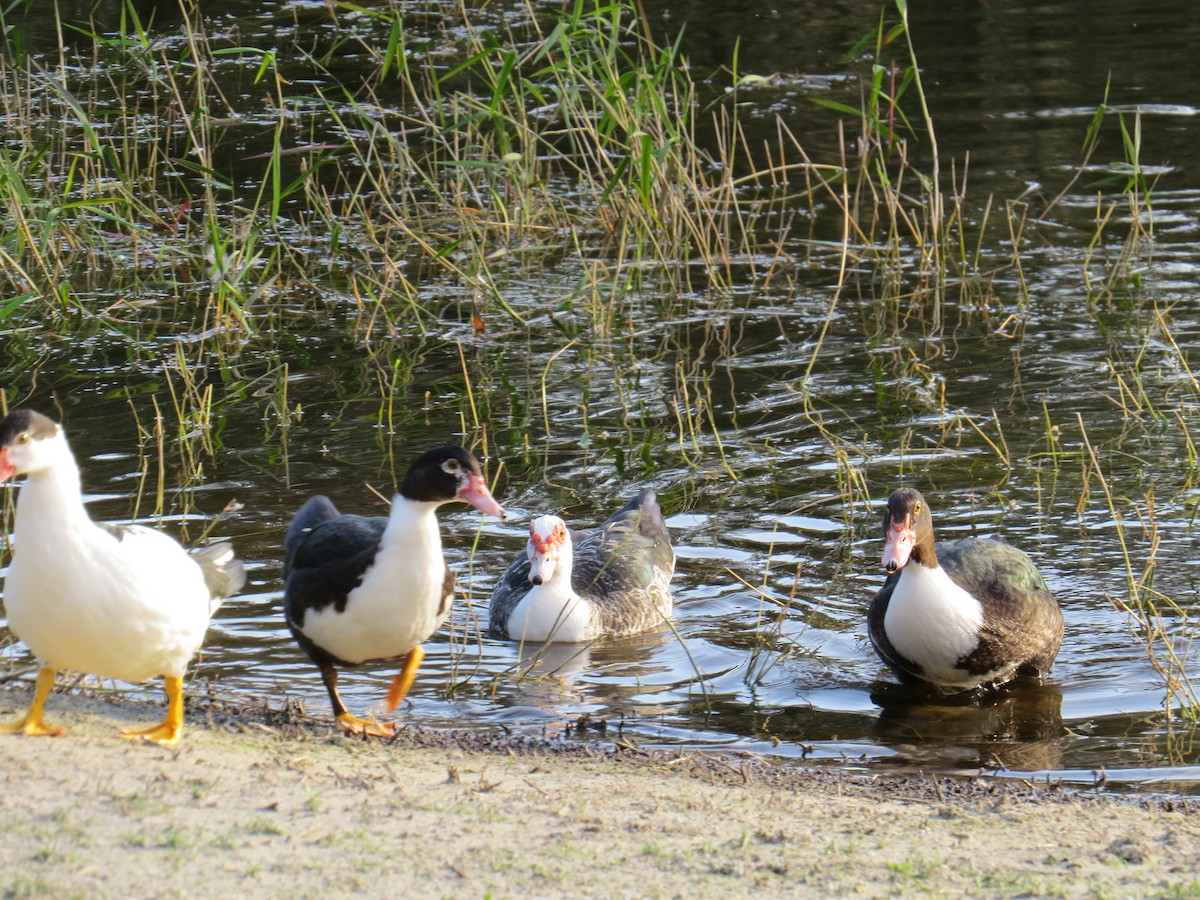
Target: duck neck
(52, 497)
(925, 553)
(413, 524)
(559, 582)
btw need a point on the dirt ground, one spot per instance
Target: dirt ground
(263, 803)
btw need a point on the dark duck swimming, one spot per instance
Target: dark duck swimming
(959, 614)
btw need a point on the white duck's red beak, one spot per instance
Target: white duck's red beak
(6, 469)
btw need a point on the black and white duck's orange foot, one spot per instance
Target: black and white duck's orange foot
(354, 725)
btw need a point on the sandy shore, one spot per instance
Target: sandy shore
(260, 803)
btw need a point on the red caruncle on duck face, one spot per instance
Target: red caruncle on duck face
(547, 538)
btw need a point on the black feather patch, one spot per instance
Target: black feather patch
(26, 421)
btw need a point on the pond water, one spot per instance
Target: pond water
(771, 428)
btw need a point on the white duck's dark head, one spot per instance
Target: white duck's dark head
(907, 531)
(549, 546)
(30, 443)
(449, 473)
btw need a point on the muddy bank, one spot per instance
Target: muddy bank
(272, 802)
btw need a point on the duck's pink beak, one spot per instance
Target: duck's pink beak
(541, 568)
(476, 492)
(6, 470)
(898, 544)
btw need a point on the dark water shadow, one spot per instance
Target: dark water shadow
(1018, 727)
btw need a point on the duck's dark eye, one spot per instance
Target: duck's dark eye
(917, 508)
(452, 466)
(23, 437)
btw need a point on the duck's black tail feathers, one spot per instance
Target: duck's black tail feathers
(315, 510)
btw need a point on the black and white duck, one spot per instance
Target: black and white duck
(116, 601)
(362, 590)
(959, 614)
(570, 587)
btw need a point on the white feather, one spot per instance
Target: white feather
(934, 622)
(546, 614)
(80, 598)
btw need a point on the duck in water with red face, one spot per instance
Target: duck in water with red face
(959, 614)
(571, 587)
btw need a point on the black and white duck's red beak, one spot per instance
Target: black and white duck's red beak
(898, 542)
(475, 491)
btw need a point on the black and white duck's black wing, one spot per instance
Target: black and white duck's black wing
(326, 554)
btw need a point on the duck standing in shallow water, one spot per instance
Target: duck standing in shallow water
(117, 601)
(966, 613)
(364, 590)
(570, 587)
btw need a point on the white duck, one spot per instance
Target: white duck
(573, 587)
(117, 601)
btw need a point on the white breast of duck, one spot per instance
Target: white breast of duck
(399, 601)
(933, 621)
(122, 602)
(551, 610)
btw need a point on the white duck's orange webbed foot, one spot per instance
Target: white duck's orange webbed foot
(354, 725)
(165, 735)
(168, 733)
(32, 724)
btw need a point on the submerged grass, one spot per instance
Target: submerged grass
(573, 135)
(523, 192)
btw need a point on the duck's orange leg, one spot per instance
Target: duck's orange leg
(167, 734)
(346, 721)
(404, 680)
(33, 724)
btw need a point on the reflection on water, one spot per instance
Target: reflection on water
(1018, 727)
(776, 566)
